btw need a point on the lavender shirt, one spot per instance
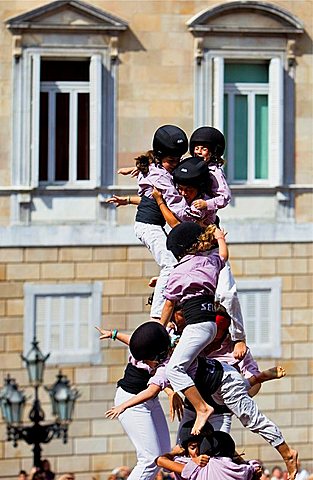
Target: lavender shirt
(220, 190)
(218, 468)
(160, 178)
(159, 378)
(195, 275)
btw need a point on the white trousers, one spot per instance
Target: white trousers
(154, 238)
(226, 294)
(233, 393)
(193, 340)
(147, 429)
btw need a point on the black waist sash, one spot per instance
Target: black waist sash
(135, 379)
(149, 212)
(199, 309)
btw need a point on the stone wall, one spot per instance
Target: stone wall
(97, 445)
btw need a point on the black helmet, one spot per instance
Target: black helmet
(170, 140)
(218, 444)
(182, 237)
(208, 135)
(192, 171)
(148, 341)
(185, 435)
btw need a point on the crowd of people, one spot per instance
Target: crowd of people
(123, 472)
(43, 472)
(193, 347)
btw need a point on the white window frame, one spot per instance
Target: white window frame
(73, 89)
(94, 290)
(209, 101)
(272, 348)
(250, 90)
(27, 114)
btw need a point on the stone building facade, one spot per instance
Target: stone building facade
(83, 88)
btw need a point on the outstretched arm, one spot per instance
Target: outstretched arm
(119, 201)
(141, 397)
(165, 462)
(132, 171)
(114, 334)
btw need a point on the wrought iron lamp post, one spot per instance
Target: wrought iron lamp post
(12, 403)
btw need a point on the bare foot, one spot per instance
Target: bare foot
(273, 373)
(201, 420)
(291, 464)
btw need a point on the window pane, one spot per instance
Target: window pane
(43, 136)
(62, 132)
(261, 137)
(264, 327)
(64, 70)
(84, 336)
(241, 137)
(83, 137)
(246, 73)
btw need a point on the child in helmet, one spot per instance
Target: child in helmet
(191, 182)
(207, 457)
(192, 283)
(156, 166)
(143, 420)
(221, 349)
(209, 143)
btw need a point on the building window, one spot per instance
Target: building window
(63, 317)
(260, 302)
(66, 111)
(64, 140)
(246, 119)
(245, 101)
(244, 85)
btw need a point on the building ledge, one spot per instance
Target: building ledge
(108, 235)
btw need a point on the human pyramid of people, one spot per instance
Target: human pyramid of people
(194, 342)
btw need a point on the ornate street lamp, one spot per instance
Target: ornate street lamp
(35, 364)
(12, 402)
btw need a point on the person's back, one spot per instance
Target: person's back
(218, 468)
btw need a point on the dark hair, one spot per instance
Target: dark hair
(39, 475)
(144, 161)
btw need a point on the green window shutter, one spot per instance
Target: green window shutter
(241, 137)
(261, 137)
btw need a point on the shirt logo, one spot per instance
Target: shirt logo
(207, 307)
